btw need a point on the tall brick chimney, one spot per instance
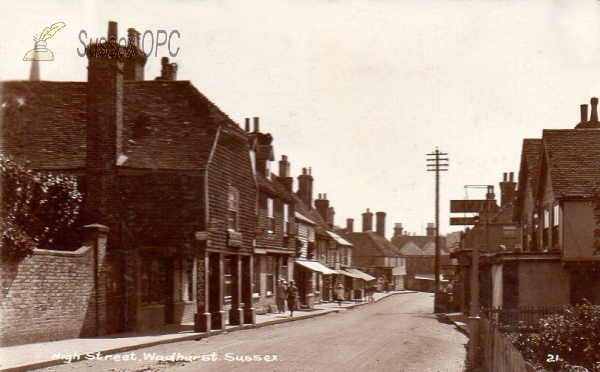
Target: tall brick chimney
(134, 64)
(331, 220)
(430, 229)
(104, 138)
(305, 187)
(380, 224)
(350, 224)
(398, 229)
(367, 221)
(284, 174)
(322, 206)
(508, 189)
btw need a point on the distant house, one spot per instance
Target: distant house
(419, 253)
(374, 254)
(166, 171)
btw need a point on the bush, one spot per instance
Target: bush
(37, 209)
(565, 342)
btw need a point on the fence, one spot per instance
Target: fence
(522, 316)
(497, 352)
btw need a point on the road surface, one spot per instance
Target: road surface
(398, 333)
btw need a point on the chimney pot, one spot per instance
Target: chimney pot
(594, 115)
(512, 176)
(584, 114)
(350, 224)
(248, 125)
(505, 177)
(367, 221)
(256, 124)
(113, 30)
(380, 228)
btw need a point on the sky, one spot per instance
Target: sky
(360, 91)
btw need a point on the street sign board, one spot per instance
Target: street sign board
(472, 206)
(463, 220)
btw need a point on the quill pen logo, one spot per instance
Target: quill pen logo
(40, 52)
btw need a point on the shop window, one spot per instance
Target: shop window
(154, 281)
(256, 276)
(270, 271)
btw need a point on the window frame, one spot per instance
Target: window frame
(233, 204)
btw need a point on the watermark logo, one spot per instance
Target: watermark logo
(40, 52)
(126, 47)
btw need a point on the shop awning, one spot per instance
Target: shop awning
(364, 276)
(347, 273)
(316, 266)
(339, 239)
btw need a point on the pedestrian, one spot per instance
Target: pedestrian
(291, 297)
(339, 294)
(280, 296)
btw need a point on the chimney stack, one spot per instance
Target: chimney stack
(430, 229)
(380, 224)
(350, 224)
(490, 193)
(168, 70)
(305, 187)
(134, 64)
(322, 206)
(367, 221)
(331, 220)
(584, 114)
(104, 139)
(398, 229)
(508, 190)
(284, 174)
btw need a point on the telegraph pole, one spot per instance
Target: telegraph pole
(437, 162)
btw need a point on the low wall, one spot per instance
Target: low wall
(48, 296)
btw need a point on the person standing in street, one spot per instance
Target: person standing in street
(280, 296)
(291, 297)
(339, 294)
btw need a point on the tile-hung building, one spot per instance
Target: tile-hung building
(169, 174)
(314, 277)
(276, 230)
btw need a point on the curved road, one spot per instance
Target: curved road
(398, 333)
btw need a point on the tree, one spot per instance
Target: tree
(36, 210)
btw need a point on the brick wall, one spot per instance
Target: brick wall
(48, 296)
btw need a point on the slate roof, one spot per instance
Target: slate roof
(531, 158)
(166, 124)
(573, 157)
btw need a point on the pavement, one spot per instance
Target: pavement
(46, 354)
(460, 321)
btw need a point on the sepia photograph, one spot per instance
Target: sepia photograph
(300, 185)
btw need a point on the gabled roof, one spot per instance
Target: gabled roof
(420, 241)
(410, 249)
(573, 160)
(370, 244)
(528, 172)
(274, 188)
(44, 123)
